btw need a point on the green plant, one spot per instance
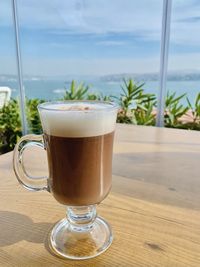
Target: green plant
(81, 92)
(144, 113)
(130, 93)
(33, 118)
(136, 107)
(194, 116)
(10, 126)
(10, 123)
(174, 110)
(99, 97)
(76, 92)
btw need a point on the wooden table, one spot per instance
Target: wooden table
(154, 206)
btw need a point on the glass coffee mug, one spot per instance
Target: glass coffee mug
(78, 139)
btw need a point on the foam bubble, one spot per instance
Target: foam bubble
(78, 119)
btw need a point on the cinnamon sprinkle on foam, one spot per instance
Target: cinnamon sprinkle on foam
(75, 108)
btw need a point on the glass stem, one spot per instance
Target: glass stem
(81, 218)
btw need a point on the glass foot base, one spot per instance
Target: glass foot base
(80, 243)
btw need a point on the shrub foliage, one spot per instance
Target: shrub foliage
(135, 107)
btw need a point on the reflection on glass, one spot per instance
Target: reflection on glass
(99, 43)
(10, 122)
(184, 57)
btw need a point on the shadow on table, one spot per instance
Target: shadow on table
(15, 227)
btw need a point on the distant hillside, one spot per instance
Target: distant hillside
(152, 77)
(172, 76)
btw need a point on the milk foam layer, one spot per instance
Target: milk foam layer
(78, 119)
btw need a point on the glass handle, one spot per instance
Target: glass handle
(29, 182)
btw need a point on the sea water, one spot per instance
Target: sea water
(55, 89)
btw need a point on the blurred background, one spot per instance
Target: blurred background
(86, 49)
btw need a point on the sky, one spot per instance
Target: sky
(98, 37)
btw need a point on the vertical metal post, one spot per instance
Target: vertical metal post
(166, 21)
(19, 68)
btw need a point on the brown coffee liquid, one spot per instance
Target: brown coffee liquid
(80, 168)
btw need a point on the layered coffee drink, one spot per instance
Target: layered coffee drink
(79, 143)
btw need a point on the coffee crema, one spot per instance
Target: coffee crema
(79, 143)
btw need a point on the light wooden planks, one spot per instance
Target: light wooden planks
(153, 209)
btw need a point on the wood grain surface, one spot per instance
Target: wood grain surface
(154, 205)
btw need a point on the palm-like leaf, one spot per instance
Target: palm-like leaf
(76, 92)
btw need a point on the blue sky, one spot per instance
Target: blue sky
(97, 37)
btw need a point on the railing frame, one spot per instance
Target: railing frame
(164, 54)
(19, 68)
